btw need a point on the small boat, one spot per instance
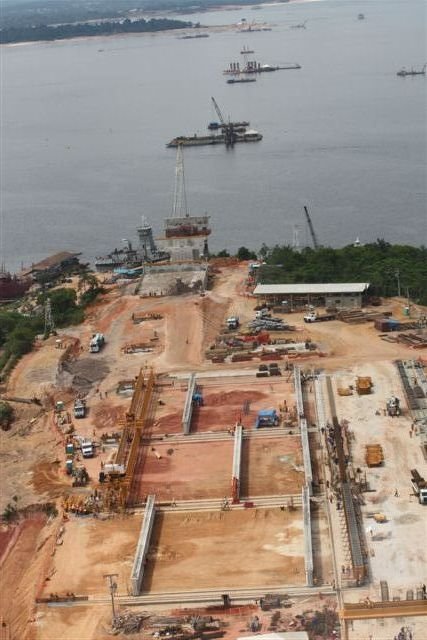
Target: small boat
(411, 72)
(301, 25)
(192, 37)
(239, 80)
(361, 16)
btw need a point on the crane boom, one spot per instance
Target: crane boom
(218, 111)
(310, 226)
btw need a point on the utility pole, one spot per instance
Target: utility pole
(112, 585)
(49, 324)
(397, 274)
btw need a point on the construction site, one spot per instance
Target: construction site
(202, 458)
(216, 484)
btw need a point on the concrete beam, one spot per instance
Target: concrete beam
(308, 546)
(320, 405)
(306, 454)
(298, 392)
(237, 454)
(143, 546)
(188, 406)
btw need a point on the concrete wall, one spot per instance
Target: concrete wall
(143, 546)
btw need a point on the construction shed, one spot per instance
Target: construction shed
(341, 295)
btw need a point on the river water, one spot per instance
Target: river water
(85, 123)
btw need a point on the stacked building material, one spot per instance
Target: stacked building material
(374, 455)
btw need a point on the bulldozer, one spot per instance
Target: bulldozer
(393, 407)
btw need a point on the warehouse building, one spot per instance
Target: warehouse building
(341, 295)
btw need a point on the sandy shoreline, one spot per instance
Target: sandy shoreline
(149, 15)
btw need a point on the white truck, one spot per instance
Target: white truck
(312, 316)
(87, 449)
(79, 408)
(419, 486)
(96, 343)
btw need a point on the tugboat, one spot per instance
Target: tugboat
(412, 72)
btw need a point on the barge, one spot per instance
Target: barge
(195, 141)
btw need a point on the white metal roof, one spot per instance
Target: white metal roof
(315, 288)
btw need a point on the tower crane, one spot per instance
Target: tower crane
(311, 228)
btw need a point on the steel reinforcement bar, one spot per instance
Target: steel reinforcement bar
(143, 546)
(188, 406)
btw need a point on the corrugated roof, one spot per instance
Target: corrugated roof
(319, 288)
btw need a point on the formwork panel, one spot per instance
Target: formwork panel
(185, 471)
(225, 549)
(271, 466)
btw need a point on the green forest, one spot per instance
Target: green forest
(391, 269)
(84, 29)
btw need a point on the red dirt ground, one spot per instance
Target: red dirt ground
(192, 471)
(269, 466)
(222, 409)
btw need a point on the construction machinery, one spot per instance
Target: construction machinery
(364, 385)
(419, 486)
(267, 418)
(393, 406)
(79, 408)
(81, 476)
(227, 128)
(311, 228)
(96, 343)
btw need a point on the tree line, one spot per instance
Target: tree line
(391, 269)
(84, 29)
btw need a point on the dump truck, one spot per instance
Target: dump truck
(374, 455)
(363, 385)
(96, 343)
(419, 486)
(79, 408)
(393, 406)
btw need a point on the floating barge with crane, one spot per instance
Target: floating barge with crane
(229, 133)
(411, 72)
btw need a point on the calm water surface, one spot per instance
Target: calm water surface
(85, 123)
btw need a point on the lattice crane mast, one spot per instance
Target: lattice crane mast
(218, 111)
(311, 228)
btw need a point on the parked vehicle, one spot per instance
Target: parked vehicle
(96, 343)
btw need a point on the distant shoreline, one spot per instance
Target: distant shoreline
(155, 15)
